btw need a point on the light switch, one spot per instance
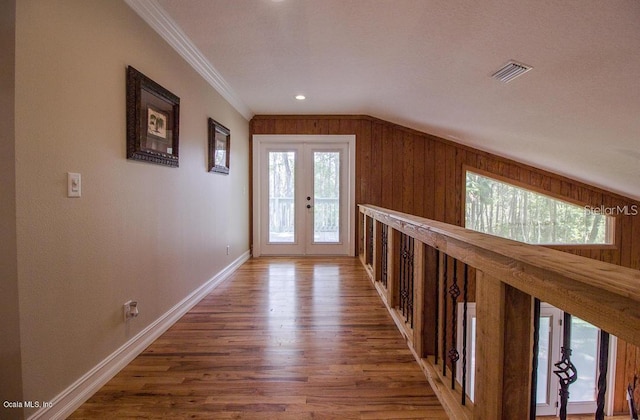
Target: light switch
(74, 185)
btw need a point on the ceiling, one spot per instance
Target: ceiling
(427, 65)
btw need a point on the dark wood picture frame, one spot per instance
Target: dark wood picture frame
(219, 147)
(153, 121)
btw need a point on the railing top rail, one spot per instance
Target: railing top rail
(601, 293)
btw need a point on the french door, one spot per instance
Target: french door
(303, 195)
(585, 343)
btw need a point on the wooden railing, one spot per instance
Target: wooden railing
(426, 271)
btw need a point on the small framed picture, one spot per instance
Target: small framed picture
(157, 123)
(153, 120)
(219, 147)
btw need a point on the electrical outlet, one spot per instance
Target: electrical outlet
(228, 248)
(130, 310)
(126, 310)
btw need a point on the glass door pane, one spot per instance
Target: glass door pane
(282, 197)
(326, 197)
(584, 343)
(544, 354)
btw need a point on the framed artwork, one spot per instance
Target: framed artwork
(153, 120)
(219, 147)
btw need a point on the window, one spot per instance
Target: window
(512, 212)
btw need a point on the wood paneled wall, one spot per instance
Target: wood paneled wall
(414, 172)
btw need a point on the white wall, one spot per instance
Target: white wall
(140, 231)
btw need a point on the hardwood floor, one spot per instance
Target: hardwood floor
(280, 339)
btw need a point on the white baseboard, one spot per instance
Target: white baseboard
(88, 384)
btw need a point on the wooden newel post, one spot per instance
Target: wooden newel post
(377, 251)
(361, 239)
(418, 298)
(367, 241)
(392, 276)
(504, 346)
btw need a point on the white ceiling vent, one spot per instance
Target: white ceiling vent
(510, 71)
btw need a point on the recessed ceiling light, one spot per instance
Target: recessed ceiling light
(301, 97)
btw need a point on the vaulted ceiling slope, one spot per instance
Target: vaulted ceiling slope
(427, 64)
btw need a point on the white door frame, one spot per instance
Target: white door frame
(257, 196)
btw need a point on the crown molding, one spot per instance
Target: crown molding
(168, 29)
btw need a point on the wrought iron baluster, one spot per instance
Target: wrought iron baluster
(602, 378)
(465, 297)
(566, 370)
(370, 241)
(405, 283)
(534, 361)
(410, 251)
(400, 272)
(633, 412)
(403, 275)
(435, 352)
(445, 263)
(384, 251)
(406, 278)
(454, 292)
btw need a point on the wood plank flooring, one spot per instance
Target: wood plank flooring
(280, 339)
